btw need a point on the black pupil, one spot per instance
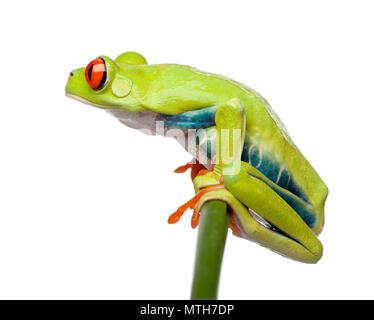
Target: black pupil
(90, 72)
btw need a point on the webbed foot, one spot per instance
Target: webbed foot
(174, 218)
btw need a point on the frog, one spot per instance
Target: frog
(274, 196)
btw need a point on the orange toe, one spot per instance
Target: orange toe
(195, 219)
(195, 167)
(183, 168)
(174, 218)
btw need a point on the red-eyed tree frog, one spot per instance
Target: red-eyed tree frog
(274, 195)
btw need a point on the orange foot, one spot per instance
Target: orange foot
(197, 169)
(174, 218)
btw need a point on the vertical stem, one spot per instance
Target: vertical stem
(213, 225)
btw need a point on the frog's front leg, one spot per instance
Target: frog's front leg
(230, 123)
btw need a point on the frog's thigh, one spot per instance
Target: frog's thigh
(295, 239)
(254, 231)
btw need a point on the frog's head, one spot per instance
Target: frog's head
(103, 83)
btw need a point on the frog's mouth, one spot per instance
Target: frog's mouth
(88, 102)
(85, 101)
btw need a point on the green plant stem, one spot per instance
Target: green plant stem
(213, 225)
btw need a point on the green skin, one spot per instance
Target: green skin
(172, 89)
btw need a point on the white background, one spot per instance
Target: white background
(84, 200)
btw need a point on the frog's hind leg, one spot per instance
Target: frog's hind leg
(284, 230)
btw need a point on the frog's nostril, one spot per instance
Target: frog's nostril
(71, 74)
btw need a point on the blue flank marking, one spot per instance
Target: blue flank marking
(307, 215)
(267, 167)
(270, 169)
(196, 119)
(283, 180)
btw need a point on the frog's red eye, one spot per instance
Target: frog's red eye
(96, 74)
